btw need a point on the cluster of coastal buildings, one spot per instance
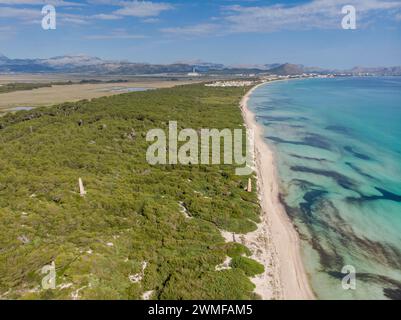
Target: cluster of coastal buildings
(232, 83)
(246, 83)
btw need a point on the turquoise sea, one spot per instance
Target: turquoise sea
(338, 148)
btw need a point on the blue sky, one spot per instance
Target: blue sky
(225, 31)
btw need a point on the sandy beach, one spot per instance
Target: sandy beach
(276, 239)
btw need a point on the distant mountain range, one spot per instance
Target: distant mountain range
(83, 64)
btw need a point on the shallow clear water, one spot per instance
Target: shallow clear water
(338, 146)
(21, 108)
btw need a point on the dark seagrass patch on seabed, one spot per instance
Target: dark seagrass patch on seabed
(308, 158)
(356, 153)
(393, 294)
(282, 118)
(328, 255)
(391, 287)
(319, 214)
(339, 129)
(310, 198)
(318, 141)
(262, 108)
(304, 184)
(311, 140)
(385, 195)
(340, 179)
(359, 171)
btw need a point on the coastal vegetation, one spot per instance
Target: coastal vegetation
(139, 228)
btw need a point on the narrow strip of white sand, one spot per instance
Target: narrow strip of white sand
(293, 281)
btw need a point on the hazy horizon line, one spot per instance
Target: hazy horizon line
(195, 61)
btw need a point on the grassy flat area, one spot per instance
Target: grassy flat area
(11, 87)
(131, 213)
(40, 94)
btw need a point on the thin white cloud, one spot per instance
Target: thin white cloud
(28, 15)
(105, 16)
(34, 16)
(147, 10)
(194, 30)
(151, 20)
(19, 13)
(142, 9)
(58, 3)
(74, 19)
(321, 14)
(108, 2)
(6, 29)
(315, 14)
(7, 32)
(115, 34)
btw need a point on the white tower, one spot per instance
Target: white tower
(82, 191)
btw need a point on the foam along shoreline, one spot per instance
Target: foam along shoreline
(293, 279)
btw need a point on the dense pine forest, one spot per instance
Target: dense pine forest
(140, 228)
